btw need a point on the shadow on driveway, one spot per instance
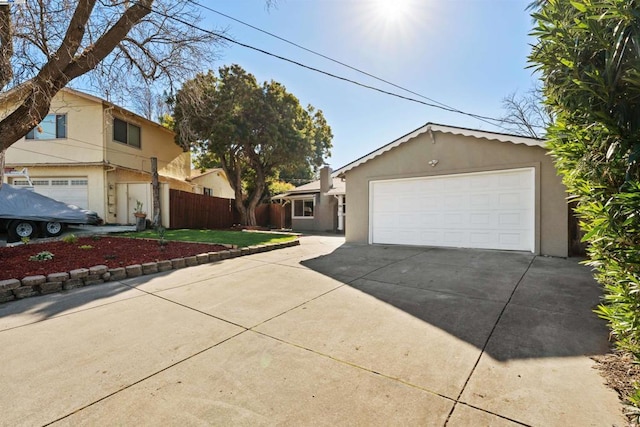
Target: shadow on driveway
(512, 305)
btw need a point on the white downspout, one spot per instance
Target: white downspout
(340, 198)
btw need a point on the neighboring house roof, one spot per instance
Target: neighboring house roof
(429, 128)
(112, 105)
(215, 180)
(337, 188)
(197, 173)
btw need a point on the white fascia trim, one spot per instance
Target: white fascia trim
(431, 127)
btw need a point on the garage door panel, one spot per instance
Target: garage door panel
(493, 210)
(385, 220)
(428, 220)
(430, 237)
(403, 220)
(480, 219)
(73, 191)
(406, 203)
(483, 200)
(479, 240)
(428, 186)
(454, 202)
(428, 204)
(514, 219)
(454, 238)
(513, 200)
(455, 220)
(510, 239)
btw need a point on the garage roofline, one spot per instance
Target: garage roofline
(435, 127)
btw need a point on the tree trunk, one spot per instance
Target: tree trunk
(155, 185)
(2, 152)
(251, 216)
(255, 197)
(242, 210)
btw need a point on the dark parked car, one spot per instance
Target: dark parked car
(24, 213)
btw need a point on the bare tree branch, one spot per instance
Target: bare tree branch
(113, 45)
(526, 114)
(105, 44)
(71, 42)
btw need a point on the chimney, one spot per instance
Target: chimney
(325, 179)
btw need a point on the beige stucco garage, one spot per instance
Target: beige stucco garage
(455, 187)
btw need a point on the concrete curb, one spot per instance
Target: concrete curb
(15, 289)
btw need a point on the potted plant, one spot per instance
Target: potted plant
(141, 216)
(138, 212)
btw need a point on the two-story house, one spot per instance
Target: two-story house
(97, 155)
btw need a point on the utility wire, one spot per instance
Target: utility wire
(318, 53)
(488, 120)
(366, 86)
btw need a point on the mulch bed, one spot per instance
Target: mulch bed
(110, 251)
(621, 374)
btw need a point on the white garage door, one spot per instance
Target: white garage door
(491, 210)
(69, 190)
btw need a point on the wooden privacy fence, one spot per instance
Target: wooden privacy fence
(270, 215)
(190, 210)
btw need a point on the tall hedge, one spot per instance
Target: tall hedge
(588, 55)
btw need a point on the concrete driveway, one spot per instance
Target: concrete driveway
(319, 334)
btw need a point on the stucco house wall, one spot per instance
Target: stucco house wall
(324, 218)
(85, 135)
(463, 154)
(89, 151)
(216, 180)
(156, 141)
(325, 193)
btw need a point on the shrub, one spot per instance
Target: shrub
(41, 256)
(589, 56)
(70, 238)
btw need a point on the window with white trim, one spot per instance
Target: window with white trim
(54, 126)
(126, 133)
(303, 208)
(208, 191)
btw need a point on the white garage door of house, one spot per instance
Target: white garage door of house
(69, 190)
(490, 210)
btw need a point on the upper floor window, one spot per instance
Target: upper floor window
(208, 191)
(126, 133)
(54, 126)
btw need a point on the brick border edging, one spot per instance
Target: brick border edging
(14, 289)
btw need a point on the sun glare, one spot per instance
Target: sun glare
(392, 10)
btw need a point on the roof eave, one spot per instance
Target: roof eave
(434, 127)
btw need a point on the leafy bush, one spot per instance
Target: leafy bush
(41, 256)
(70, 238)
(589, 56)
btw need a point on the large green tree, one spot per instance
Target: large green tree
(252, 130)
(588, 54)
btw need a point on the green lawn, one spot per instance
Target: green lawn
(238, 238)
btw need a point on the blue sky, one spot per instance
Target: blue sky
(468, 54)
